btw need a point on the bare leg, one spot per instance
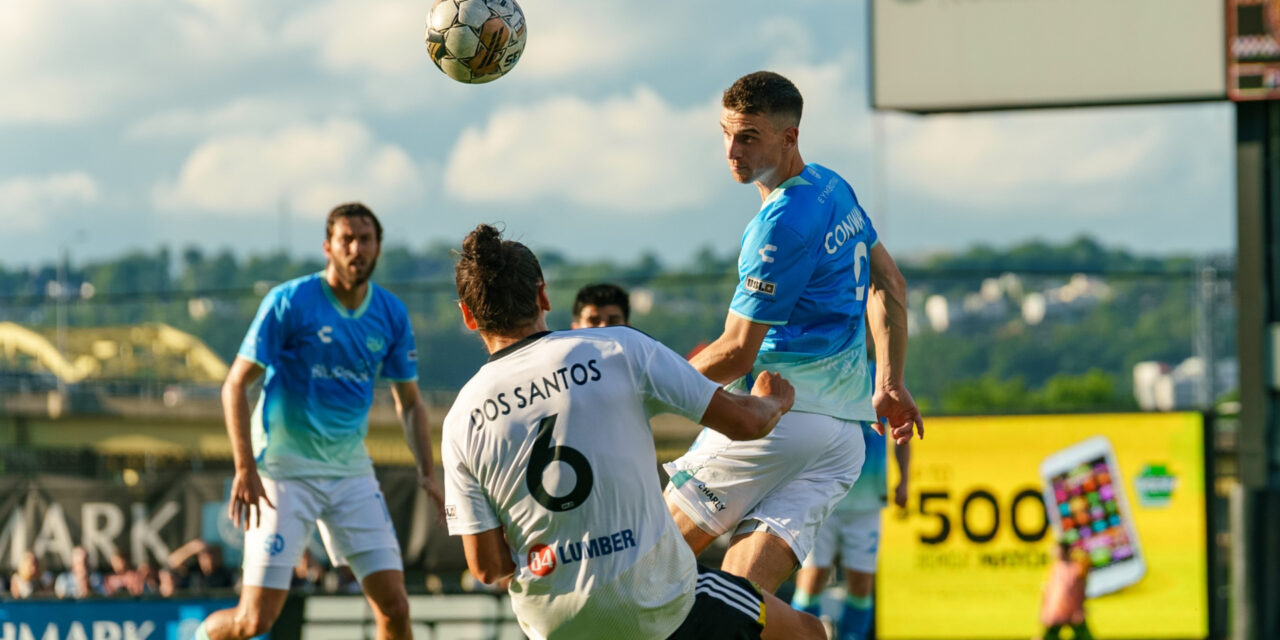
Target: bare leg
(697, 539)
(257, 611)
(760, 557)
(784, 623)
(812, 580)
(386, 595)
(860, 584)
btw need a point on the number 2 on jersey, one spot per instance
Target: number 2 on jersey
(860, 256)
(545, 452)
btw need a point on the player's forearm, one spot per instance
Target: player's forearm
(235, 406)
(723, 361)
(887, 319)
(417, 434)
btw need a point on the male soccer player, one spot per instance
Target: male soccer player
(550, 470)
(853, 530)
(601, 305)
(810, 268)
(322, 340)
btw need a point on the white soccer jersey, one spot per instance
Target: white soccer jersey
(550, 441)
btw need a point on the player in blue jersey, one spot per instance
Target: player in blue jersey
(322, 340)
(853, 531)
(811, 272)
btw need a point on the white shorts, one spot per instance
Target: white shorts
(855, 535)
(354, 525)
(785, 483)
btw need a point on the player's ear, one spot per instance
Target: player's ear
(792, 136)
(467, 319)
(544, 302)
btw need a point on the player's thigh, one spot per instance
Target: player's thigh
(795, 510)
(761, 557)
(356, 527)
(719, 481)
(274, 546)
(261, 603)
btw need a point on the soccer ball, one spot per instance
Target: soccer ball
(475, 41)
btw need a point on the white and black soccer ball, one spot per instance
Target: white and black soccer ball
(475, 41)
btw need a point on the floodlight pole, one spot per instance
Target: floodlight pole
(1256, 507)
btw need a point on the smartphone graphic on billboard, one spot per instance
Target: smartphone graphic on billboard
(1084, 496)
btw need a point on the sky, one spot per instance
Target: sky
(136, 124)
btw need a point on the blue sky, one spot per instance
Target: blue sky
(139, 123)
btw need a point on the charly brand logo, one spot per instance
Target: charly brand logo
(1155, 485)
(374, 342)
(326, 334)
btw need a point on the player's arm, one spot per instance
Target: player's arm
(412, 412)
(246, 487)
(488, 556)
(902, 453)
(887, 319)
(732, 355)
(749, 417)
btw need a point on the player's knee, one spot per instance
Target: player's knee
(810, 627)
(252, 623)
(394, 608)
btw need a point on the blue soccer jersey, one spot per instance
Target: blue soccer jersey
(804, 269)
(321, 361)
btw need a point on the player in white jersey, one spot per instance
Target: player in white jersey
(320, 342)
(550, 469)
(812, 272)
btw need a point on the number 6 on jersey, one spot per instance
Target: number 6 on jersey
(545, 452)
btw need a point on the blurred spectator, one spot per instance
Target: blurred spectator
(30, 580)
(166, 583)
(146, 580)
(205, 572)
(78, 581)
(121, 578)
(309, 575)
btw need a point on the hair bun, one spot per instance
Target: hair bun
(484, 247)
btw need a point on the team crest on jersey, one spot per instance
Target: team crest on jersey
(374, 342)
(759, 286)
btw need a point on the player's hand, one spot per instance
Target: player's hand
(246, 494)
(428, 483)
(772, 385)
(900, 495)
(896, 405)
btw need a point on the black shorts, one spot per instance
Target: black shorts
(726, 607)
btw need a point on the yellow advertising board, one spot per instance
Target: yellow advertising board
(969, 556)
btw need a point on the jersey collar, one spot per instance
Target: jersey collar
(337, 305)
(516, 346)
(793, 181)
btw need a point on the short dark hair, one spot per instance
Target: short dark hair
(600, 295)
(498, 280)
(351, 210)
(765, 93)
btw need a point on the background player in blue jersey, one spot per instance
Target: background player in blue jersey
(853, 532)
(322, 340)
(811, 272)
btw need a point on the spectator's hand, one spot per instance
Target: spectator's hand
(900, 495)
(895, 404)
(428, 482)
(246, 494)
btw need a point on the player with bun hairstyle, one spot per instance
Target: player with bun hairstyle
(550, 469)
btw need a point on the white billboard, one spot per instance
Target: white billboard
(946, 55)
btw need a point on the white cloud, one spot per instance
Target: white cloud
(382, 36)
(633, 154)
(25, 201)
(1029, 159)
(311, 167)
(240, 116)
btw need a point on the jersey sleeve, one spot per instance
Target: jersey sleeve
(466, 507)
(401, 362)
(773, 270)
(266, 336)
(670, 383)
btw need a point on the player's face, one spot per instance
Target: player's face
(353, 250)
(753, 144)
(592, 316)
